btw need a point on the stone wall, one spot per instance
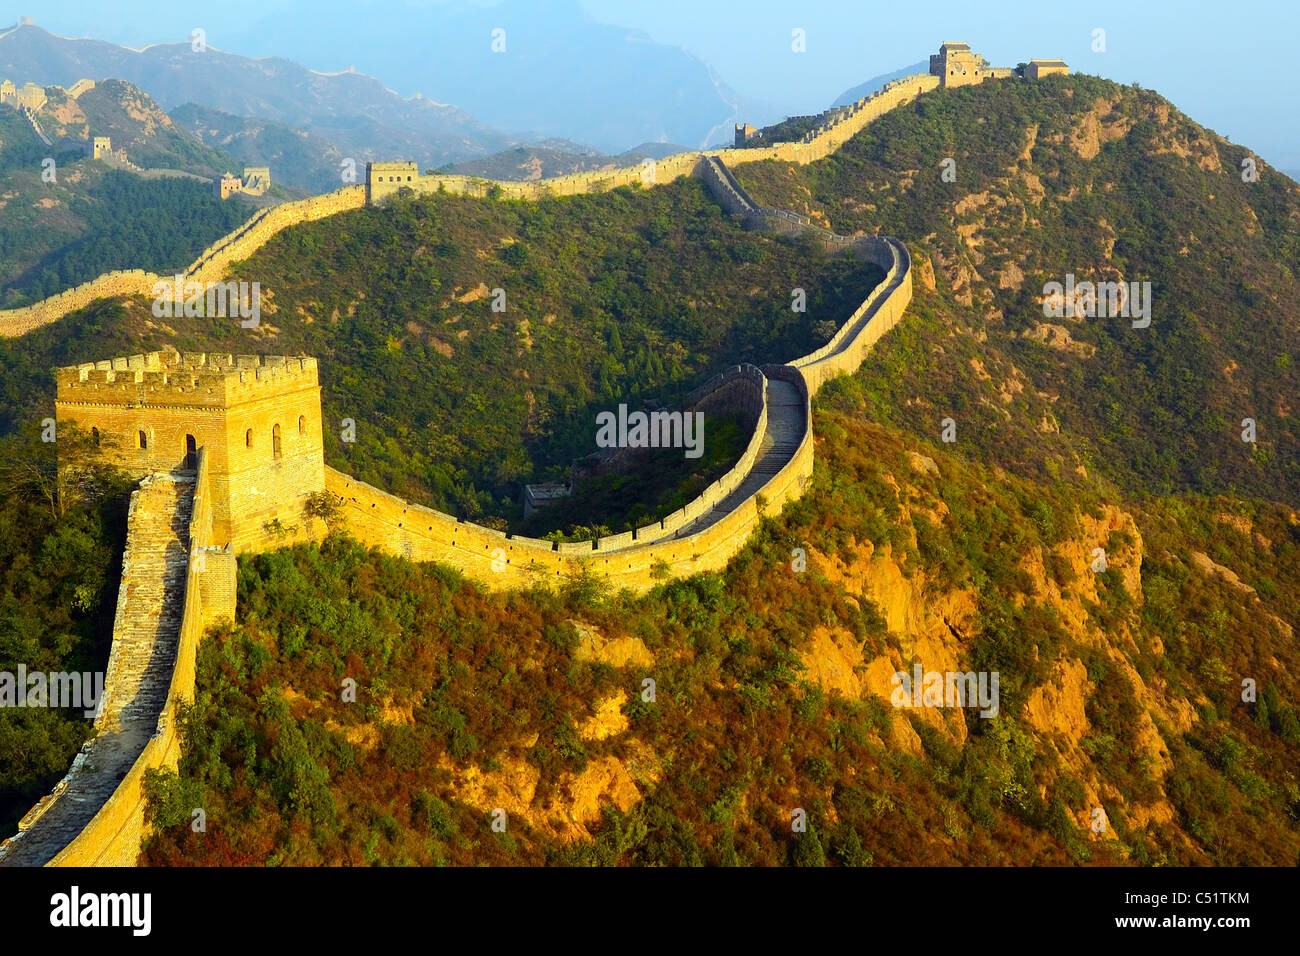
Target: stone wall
(212, 264)
(16, 322)
(878, 314)
(841, 125)
(113, 836)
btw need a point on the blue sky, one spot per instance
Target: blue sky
(1212, 60)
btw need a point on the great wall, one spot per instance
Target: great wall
(189, 521)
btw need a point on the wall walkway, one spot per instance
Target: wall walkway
(95, 815)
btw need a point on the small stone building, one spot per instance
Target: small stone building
(743, 132)
(1037, 69)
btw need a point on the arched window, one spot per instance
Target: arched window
(275, 441)
(142, 439)
(302, 424)
(248, 438)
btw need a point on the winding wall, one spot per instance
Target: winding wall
(208, 267)
(776, 466)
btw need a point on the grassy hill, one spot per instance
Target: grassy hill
(297, 158)
(1119, 691)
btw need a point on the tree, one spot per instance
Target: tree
(808, 849)
(61, 474)
(326, 506)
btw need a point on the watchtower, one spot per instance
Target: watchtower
(259, 417)
(384, 179)
(227, 186)
(956, 65)
(100, 147)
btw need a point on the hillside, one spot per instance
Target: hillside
(561, 72)
(355, 112)
(1120, 690)
(101, 215)
(628, 297)
(1078, 176)
(297, 158)
(135, 123)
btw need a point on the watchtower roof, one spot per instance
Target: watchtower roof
(212, 379)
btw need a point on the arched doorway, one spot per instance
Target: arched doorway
(191, 454)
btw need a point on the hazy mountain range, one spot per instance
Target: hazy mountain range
(560, 74)
(603, 89)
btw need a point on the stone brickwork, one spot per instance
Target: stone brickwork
(258, 417)
(16, 322)
(95, 816)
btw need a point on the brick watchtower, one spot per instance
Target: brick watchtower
(956, 65)
(259, 417)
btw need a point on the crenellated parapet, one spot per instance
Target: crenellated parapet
(196, 379)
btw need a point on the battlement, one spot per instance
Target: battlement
(215, 379)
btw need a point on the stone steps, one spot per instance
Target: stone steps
(145, 636)
(785, 430)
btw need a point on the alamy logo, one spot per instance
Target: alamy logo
(84, 690)
(220, 300)
(72, 909)
(946, 689)
(651, 430)
(1098, 300)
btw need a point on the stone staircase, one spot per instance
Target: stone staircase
(785, 430)
(145, 636)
